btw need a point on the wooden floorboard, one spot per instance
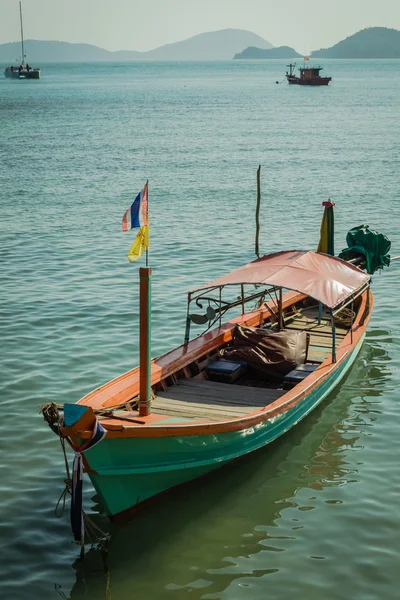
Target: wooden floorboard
(315, 328)
(317, 354)
(208, 400)
(211, 399)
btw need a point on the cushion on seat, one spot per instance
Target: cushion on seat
(274, 354)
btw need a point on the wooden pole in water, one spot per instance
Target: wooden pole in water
(258, 210)
(145, 341)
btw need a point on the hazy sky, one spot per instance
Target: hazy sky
(145, 24)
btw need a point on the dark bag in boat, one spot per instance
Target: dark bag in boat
(274, 354)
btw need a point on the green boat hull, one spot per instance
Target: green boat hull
(128, 471)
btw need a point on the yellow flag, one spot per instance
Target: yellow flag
(324, 239)
(141, 243)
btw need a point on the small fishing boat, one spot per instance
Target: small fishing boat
(308, 76)
(23, 70)
(298, 322)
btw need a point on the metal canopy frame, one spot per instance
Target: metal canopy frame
(222, 306)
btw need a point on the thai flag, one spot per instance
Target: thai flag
(136, 215)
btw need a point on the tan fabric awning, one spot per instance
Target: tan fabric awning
(325, 278)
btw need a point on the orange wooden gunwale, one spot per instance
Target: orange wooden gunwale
(126, 386)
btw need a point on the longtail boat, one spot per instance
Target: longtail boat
(299, 321)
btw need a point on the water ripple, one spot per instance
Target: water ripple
(316, 513)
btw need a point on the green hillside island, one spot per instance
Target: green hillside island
(374, 42)
(280, 52)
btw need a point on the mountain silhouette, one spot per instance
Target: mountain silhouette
(374, 42)
(214, 45)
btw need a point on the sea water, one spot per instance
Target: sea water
(316, 514)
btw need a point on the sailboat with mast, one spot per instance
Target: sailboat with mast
(24, 70)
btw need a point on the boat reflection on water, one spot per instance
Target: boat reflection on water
(198, 536)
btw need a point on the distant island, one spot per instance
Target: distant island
(46, 51)
(280, 52)
(374, 42)
(214, 45)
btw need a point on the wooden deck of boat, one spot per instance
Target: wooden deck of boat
(210, 400)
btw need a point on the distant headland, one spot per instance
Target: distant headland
(375, 42)
(280, 52)
(214, 45)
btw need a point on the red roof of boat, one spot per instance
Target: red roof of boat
(328, 279)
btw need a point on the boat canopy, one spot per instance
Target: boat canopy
(327, 279)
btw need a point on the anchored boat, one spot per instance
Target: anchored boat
(23, 71)
(298, 322)
(308, 76)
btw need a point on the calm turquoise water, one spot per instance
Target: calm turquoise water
(316, 514)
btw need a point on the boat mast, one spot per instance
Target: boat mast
(22, 35)
(291, 69)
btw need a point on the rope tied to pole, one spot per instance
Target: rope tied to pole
(51, 415)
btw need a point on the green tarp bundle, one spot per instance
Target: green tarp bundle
(372, 245)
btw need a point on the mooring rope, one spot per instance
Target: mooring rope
(63, 498)
(57, 588)
(98, 539)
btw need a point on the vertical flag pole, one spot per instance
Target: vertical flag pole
(145, 331)
(147, 221)
(138, 216)
(145, 341)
